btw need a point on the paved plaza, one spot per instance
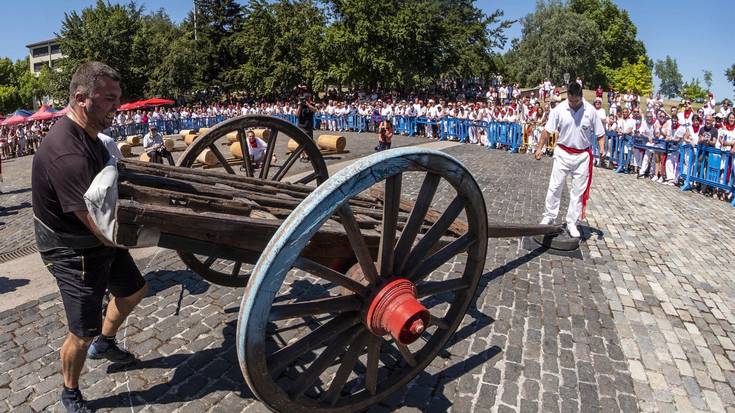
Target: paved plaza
(642, 318)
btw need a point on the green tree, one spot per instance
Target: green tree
(667, 71)
(278, 46)
(617, 33)
(107, 33)
(633, 76)
(708, 79)
(693, 90)
(216, 22)
(730, 74)
(405, 44)
(9, 98)
(554, 40)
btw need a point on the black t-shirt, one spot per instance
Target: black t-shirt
(306, 118)
(708, 136)
(64, 166)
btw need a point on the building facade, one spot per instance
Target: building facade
(43, 53)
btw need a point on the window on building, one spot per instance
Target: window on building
(38, 66)
(40, 51)
(55, 48)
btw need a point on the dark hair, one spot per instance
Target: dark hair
(86, 75)
(574, 89)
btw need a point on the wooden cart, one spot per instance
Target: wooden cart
(351, 290)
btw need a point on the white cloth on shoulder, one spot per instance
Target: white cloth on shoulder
(101, 200)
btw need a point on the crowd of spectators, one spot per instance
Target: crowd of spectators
(627, 114)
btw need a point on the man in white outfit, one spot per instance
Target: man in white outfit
(578, 124)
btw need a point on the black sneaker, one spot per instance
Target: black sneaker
(73, 401)
(107, 348)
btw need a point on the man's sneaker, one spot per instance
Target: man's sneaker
(573, 231)
(107, 348)
(547, 221)
(73, 401)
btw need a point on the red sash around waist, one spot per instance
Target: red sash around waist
(586, 193)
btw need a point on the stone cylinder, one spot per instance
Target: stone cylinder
(208, 157)
(334, 143)
(125, 148)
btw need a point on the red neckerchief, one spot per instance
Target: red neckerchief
(696, 128)
(730, 127)
(253, 143)
(689, 111)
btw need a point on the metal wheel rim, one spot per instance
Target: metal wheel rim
(208, 140)
(280, 254)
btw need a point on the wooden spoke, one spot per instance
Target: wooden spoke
(245, 153)
(209, 261)
(434, 234)
(236, 268)
(321, 271)
(390, 218)
(308, 178)
(373, 357)
(416, 219)
(407, 355)
(348, 364)
(437, 287)
(221, 158)
(330, 305)
(268, 154)
(286, 355)
(358, 243)
(288, 164)
(440, 323)
(440, 257)
(325, 359)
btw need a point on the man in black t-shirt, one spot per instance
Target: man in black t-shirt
(84, 263)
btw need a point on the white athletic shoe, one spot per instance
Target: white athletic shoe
(654, 178)
(660, 179)
(573, 231)
(547, 221)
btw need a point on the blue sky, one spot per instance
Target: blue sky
(697, 34)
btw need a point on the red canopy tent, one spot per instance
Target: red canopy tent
(131, 106)
(14, 120)
(44, 113)
(157, 102)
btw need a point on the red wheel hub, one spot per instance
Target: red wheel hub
(395, 310)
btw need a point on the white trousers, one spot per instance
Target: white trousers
(566, 164)
(672, 166)
(644, 160)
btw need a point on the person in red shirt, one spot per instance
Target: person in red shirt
(598, 92)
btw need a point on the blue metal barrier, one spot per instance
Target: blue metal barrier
(707, 165)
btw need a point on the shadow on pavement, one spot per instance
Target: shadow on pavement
(16, 191)
(217, 369)
(5, 211)
(196, 375)
(8, 285)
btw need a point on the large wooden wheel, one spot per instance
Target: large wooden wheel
(236, 273)
(312, 339)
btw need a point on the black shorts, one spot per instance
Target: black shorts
(83, 277)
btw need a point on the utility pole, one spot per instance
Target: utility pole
(195, 19)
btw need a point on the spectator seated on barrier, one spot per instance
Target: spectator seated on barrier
(154, 147)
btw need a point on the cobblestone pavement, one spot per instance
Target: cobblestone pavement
(639, 320)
